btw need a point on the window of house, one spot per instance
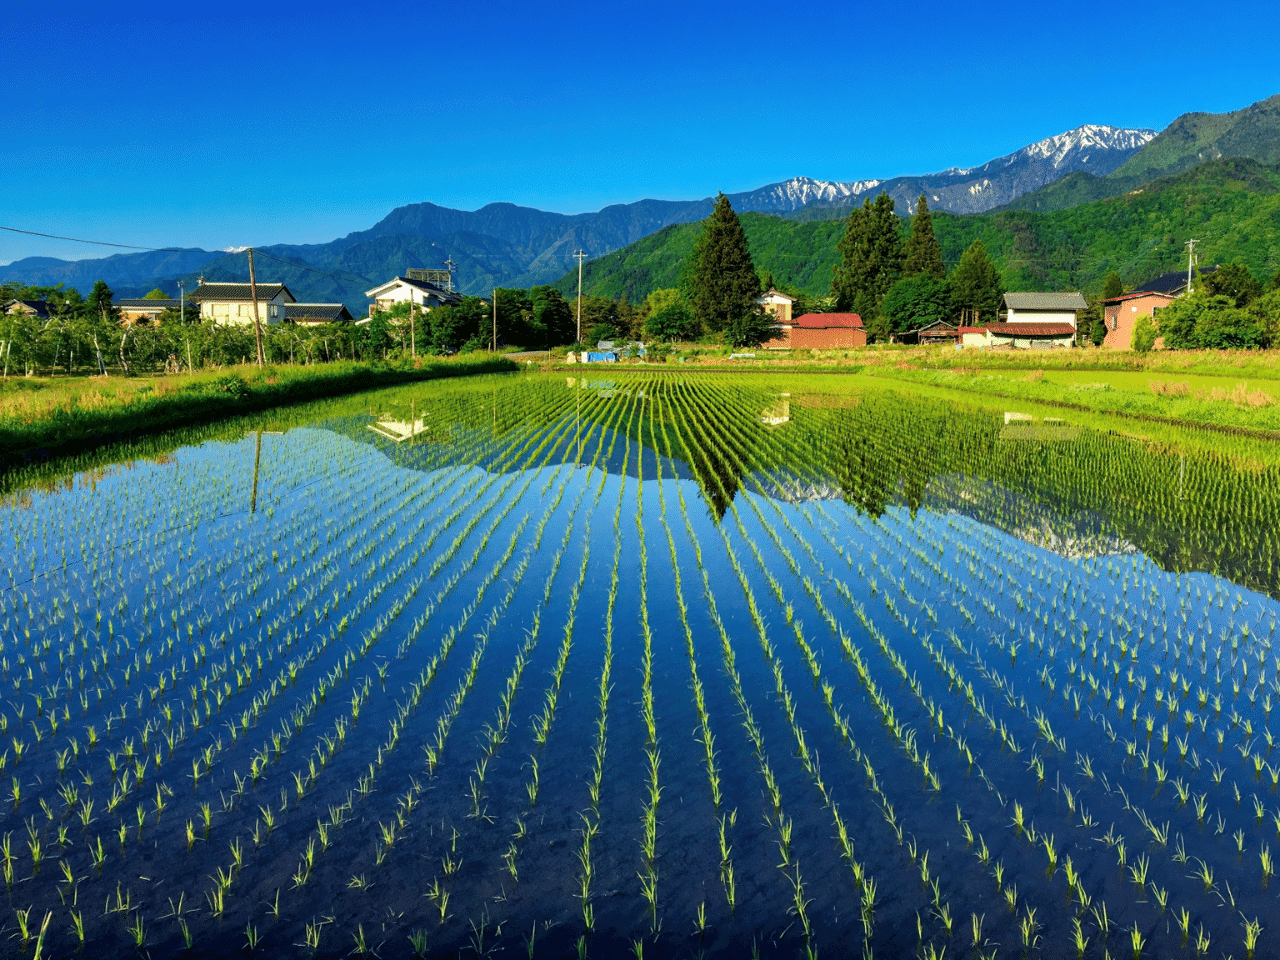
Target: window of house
(221, 310)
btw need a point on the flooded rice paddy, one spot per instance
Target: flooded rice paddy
(643, 666)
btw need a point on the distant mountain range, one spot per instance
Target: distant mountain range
(1192, 139)
(1233, 205)
(502, 244)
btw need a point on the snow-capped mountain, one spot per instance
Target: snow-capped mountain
(1073, 150)
(1093, 147)
(798, 193)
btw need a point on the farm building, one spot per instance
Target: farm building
(931, 334)
(820, 331)
(1036, 321)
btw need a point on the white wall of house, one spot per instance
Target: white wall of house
(389, 294)
(1042, 316)
(241, 311)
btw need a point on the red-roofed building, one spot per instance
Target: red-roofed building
(820, 331)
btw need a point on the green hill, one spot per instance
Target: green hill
(1192, 139)
(1232, 206)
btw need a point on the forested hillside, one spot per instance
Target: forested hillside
(1231, 206)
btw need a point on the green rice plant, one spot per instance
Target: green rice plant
(1252, 931)
(1203, 873)
(1137, 941)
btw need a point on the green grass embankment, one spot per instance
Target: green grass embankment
(1222, 404)
(47, 418)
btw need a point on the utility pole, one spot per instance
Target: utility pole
(413, 333)
(257, 324)
(449, 265)
(1191, 256)
(580, 256)
(495, 319)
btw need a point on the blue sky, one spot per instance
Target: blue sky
(219, 125)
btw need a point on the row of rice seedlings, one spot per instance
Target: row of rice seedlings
(1043, 723)
(779, 822)
(543, 721)
(649, 872)
(1139, 870)
(941, 909)
(591, 819)
(440, 891)
(704, 730)
(160, 796)
(827, 616)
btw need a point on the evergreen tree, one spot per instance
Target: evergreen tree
(870, 258)
(1235, 281)
(976, 286)
(923, 253)
(916, 301)
(98, 306)
(722, 283)
(1113, 286)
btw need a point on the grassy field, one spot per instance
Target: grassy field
(1231, 391)
(40, 417)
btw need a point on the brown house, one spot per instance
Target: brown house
(1120, 314)
(820, 331)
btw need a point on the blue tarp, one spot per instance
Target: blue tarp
(594, 357)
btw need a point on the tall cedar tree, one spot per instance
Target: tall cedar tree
(1113, 286)
(723, 286)
(870, 258)
(976, 286)
(923, 253)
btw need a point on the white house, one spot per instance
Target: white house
(1035, 321)
(404, 290)
(233, 302)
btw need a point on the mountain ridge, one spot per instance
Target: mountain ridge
(504, 244)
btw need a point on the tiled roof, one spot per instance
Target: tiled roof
(317, 312)
(964, 330)
(773, 292)
(440, 293)
(1032, 329)
(41, 307)
(1172, 283)
(145, 304)
(823, 321)
(238, 291)
(1138, 293)
(445, 296)
(1067, 300)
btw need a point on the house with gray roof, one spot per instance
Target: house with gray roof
(233, 302)
(31, 308)
(425, 294)
(142, 310)
(314, 314)
(1036, 321)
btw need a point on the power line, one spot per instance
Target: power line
(100, 243)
